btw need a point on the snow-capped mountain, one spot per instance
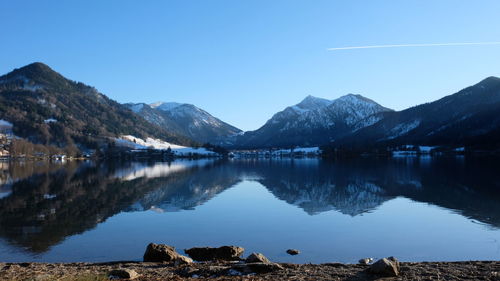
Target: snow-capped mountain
(314, 121)
(467, 118)
(185, 119)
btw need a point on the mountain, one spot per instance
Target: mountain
(47, 108)
(468, 118)
(186, 120)
(314, 121)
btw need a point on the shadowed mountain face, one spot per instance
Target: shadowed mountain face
(467, 118)
(47, 108)
(42, 208)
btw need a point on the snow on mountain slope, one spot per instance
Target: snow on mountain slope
(310, 103)
(137, 107)
(354, 108)
(165, 106)
(316, 112)
(402, 129)
(198, 116)
(467, 118)
(185, 119)
(314, 121)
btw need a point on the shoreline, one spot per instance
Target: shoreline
(224, 270)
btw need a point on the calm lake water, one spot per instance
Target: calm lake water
(417, 209)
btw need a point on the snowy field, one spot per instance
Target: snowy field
(179, 150)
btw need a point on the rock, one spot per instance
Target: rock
(164, 253)
(209, 253)
(394, 260)
(386, 267)
(257, 257)
(257, 267)
(180, 259)
(292, 252)
(160, 253)
(124, 273)
(366, 261)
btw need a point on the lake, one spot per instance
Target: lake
(414, 208)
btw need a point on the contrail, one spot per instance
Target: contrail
(413, 45)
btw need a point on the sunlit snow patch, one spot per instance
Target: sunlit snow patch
(50, 120)
(150, 143)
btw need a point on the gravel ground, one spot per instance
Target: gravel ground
(477, 270)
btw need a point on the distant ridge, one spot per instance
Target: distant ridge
(186, 120)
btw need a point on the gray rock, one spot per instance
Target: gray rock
(292, 252)
(124, 273)
(385, 267)
(366, 261)
(164, 253)
(257, 257)
(209, 253)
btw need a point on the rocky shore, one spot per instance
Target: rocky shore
(162, 262)
(218, 271)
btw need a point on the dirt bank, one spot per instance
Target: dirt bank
(482, 270)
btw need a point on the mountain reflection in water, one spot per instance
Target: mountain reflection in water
(41, 205)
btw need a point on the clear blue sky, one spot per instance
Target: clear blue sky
(243, 61)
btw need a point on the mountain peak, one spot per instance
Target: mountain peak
(40, 66)
(34, 69)
(165, 106)
(489, 81)
(359, 100)
(35, 73)
(351, 97)
(492, 78)
(311, 98)
(311, 102)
